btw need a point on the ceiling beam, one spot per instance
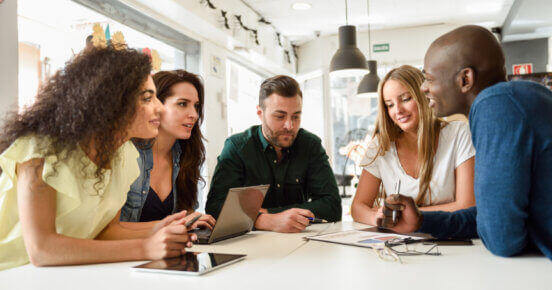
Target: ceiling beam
(514, 10)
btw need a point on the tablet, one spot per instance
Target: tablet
(191, 263)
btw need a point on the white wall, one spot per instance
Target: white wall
(9, 56)
(216, 119)
(549, 65)
(407, 46)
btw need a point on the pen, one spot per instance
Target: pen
(192, 221)
(397, 191)
(316, 220)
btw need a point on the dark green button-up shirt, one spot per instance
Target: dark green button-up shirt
(302, 179)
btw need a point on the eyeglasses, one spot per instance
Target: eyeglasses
(392, 250)
(386, 254)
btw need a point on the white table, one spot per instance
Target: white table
(286, 261)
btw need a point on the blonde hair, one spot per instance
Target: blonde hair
(386, 131)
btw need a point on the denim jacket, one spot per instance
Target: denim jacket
(132, 210)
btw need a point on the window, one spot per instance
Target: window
(313, 105)
(353, 119)
(48, 40)
(243, 97)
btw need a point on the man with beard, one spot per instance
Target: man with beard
(279, 153)
(512, 134)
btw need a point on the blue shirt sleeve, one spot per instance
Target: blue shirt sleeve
(459, 224)
(503, 143)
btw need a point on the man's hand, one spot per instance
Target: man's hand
(408, 218)
(293, 220)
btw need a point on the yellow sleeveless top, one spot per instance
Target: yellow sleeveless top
(81, 210)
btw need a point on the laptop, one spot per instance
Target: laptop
(237, 216)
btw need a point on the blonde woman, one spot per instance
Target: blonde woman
(432, 159)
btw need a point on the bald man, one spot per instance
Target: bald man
(511, 124)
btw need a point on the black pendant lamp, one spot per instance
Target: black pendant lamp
(369, 84)
(348, 59)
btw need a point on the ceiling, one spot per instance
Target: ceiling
(520, 19)
(529, 19)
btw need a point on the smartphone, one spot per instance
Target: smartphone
(450, 242)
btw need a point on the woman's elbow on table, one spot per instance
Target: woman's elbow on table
(38, 256)
(42, 252)
(355, 210)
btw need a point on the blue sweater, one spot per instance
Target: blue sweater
(511, 126)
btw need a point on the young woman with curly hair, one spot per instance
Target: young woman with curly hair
(433, 159)
(67, 165)
(170, 165)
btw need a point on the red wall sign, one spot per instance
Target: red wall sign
(522, 69)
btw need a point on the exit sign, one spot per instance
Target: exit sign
(522, 69)
(382, 47)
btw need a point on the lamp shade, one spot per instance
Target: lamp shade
(348, 56)
(369, 83)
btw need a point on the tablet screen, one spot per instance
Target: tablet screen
(191, 263)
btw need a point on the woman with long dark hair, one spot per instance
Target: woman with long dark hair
(170, 165)
(67, 164)
(432, 159)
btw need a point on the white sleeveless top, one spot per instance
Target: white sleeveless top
(455, 147)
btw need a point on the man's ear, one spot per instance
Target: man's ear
(260, 112)
(466, 79)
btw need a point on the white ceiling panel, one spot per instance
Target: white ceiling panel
(325, 16)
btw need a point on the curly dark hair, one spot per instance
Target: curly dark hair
(92, 100)
(193, 150)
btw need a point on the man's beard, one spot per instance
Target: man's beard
(273, 138)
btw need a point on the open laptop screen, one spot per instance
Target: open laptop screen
(239, 212)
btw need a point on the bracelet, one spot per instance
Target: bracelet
(258, 214)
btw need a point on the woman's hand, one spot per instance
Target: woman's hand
(167, 221)
(169, 241)
(379, 215)
(205, 221)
